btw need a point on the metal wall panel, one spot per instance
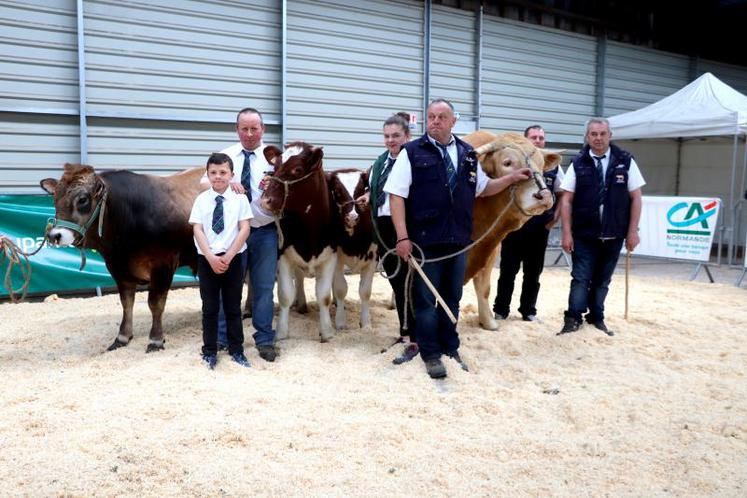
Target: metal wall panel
(182, 59)
(38, 56)
(734, 76)
(350, 66)
(637, 76)
(453, 59)
(537, 75)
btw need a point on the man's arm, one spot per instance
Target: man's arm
(496, 185)
(636, 202)
(566, 203)
(556, 213)
(403, 246)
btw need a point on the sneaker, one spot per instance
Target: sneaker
(240, 359)
(529, 318)
(454, 355)
(410, 352)
(435, 369)
(499, 316)
(571, 325)
(210, 360)
(600, 325)
(267, 353)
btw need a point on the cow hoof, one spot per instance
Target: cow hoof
(326, 338)
(302, 310)
(491, 324)
(154, 347)
(117, 344)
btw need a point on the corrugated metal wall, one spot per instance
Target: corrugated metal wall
(165, 78)
(350, 66)
(536, 75)
(635, 77)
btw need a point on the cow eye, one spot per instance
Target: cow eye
(298, 171)
(82, 203)
(507, 162)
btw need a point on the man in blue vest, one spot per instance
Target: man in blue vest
(600, 209)
(526, 247)
(432, 189)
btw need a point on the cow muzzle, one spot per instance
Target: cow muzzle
(61, 237)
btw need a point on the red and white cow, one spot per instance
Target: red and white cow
(310, 222)
(356, 248)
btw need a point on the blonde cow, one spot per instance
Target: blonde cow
(499, 155)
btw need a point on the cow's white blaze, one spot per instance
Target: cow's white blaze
(291, 151)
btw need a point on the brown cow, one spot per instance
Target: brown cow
(309, 227)
(144, 232)
(499, 155)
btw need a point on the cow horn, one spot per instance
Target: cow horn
(486, 148)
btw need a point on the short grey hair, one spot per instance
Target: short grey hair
(592, 121)
(441, 101)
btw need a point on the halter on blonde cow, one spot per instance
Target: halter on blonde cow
(498, 156)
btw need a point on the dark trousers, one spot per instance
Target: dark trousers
(389, 236)
(594, 262)
(212, 286)
(526, 246)
(436, 334)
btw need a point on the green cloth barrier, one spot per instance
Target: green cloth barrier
(23, 219)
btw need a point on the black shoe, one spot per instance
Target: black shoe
(240, 359)
(435, 369)
(500, 316)
(571, 325)
(210, 360)
(454, 355)
(600, 325)
(410, 352)
(267, 353)
(222, 347)
(529, 318)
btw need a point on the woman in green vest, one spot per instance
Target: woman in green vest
(396, 134)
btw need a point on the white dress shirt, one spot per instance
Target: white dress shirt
(235, 208)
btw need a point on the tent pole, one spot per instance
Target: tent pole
(742, 196)
(679, 166)
(732, 237)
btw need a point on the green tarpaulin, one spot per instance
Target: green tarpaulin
(23, 219)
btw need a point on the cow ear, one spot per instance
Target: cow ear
(272, 154)
(100, 187)
(316, 157)
(48, 185)
(365, 179)
(552, 159)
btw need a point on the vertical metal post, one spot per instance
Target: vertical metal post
(733, 234)
(601, 68)
(284, 74)
(426, 58)
(82, 84)
(478, 63)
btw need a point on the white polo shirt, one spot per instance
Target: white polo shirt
(235, 208)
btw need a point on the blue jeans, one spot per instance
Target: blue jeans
(261, 258)
(435, 333)
(594, 262)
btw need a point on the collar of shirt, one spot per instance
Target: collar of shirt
(228, 193)
(435, 142)
(606, 155)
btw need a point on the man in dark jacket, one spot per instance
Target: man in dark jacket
(432, 189)
(600, 209)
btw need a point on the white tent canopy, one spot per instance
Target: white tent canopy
(706, 107)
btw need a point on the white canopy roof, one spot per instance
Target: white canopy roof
(705, 107)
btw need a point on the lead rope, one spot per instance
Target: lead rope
(16, 257)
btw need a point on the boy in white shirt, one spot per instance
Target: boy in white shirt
(220, 220)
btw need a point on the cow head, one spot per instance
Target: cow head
(78, 198)
(346, 185)
(508, 152)
(299, 169)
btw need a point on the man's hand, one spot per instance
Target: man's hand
(238, 188)
(567, 242)
(632, 240)
(521, 175)
(363, 200)
(404, 249)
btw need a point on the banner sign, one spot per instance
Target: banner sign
(23, 219)
(678, 227)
